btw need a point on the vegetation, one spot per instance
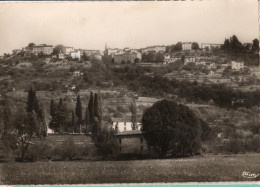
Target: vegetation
(226, 168)
(168, 126)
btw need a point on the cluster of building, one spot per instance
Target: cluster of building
(63, 51)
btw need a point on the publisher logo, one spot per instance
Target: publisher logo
(250, 175)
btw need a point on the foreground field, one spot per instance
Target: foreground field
(211, 168)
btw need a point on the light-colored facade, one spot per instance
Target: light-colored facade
(186, 46)
(122, 125)
(156, 49)
(168, 59)
(189, 59)
(75, 55)
(67, 50)
(237, 65)
(127, 57)
(210, 46)
(43, 48)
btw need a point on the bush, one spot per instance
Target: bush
(69, 150)
(40, 150)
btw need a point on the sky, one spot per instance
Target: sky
(91, 25)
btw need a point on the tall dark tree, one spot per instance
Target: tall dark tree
(96, 106)
(91, 108)
(60, 103)
(78, 112)
(178, 46)
(195, 46)
(169, 126)
(133, 110)
(52, 108)
(255, 46)
(87, 119)
(227, 44)
(73, 121)
(235, 43)
(30, 100)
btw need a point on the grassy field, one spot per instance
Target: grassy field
(211, 168)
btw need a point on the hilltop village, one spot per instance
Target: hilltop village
(218, 82)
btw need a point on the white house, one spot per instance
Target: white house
(75, 55)
(168, 59)
(122, 125)
(186, 46)
(67, 50)
(189, 59)
(237, 65)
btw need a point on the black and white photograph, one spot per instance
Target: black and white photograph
(129, 92)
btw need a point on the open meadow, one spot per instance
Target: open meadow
(210, 168)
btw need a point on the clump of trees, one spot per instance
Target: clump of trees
(234, 44)
(169, 127)
(21, 126)
(152, 57)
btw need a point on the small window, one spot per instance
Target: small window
(141, 140)
(142, 148)
(120, 140)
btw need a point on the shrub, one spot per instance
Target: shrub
(40, 150)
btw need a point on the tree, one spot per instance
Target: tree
(60, 103)
(79, 113)
(91, 109)
(168, 126)
(178, 47)
(255, 46)
(195, 46)
(52, 108)
(5, 119)
(57, 49)
(87, 119)
(33, 107)
(133, 111)
(85, 57)
(159, 57)
(73, 121)
(235, 43)
(27, 126)
(227, 44)
(106, 142)
(31, 44)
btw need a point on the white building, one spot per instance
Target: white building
(210, 46)
(154, 49)
(75, 55)
(189, 59)
(168, 59)
(186, 46)
(237, 65)
(42, 48)
(122, 125)
(67, 50)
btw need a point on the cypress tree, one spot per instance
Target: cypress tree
(87, 119)
(96, 107)
(60, 104)
(52, 108)
(133, 110)
(100, 108)
(30, 103)
(73, 121)
(91, 109)
(79, 110)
